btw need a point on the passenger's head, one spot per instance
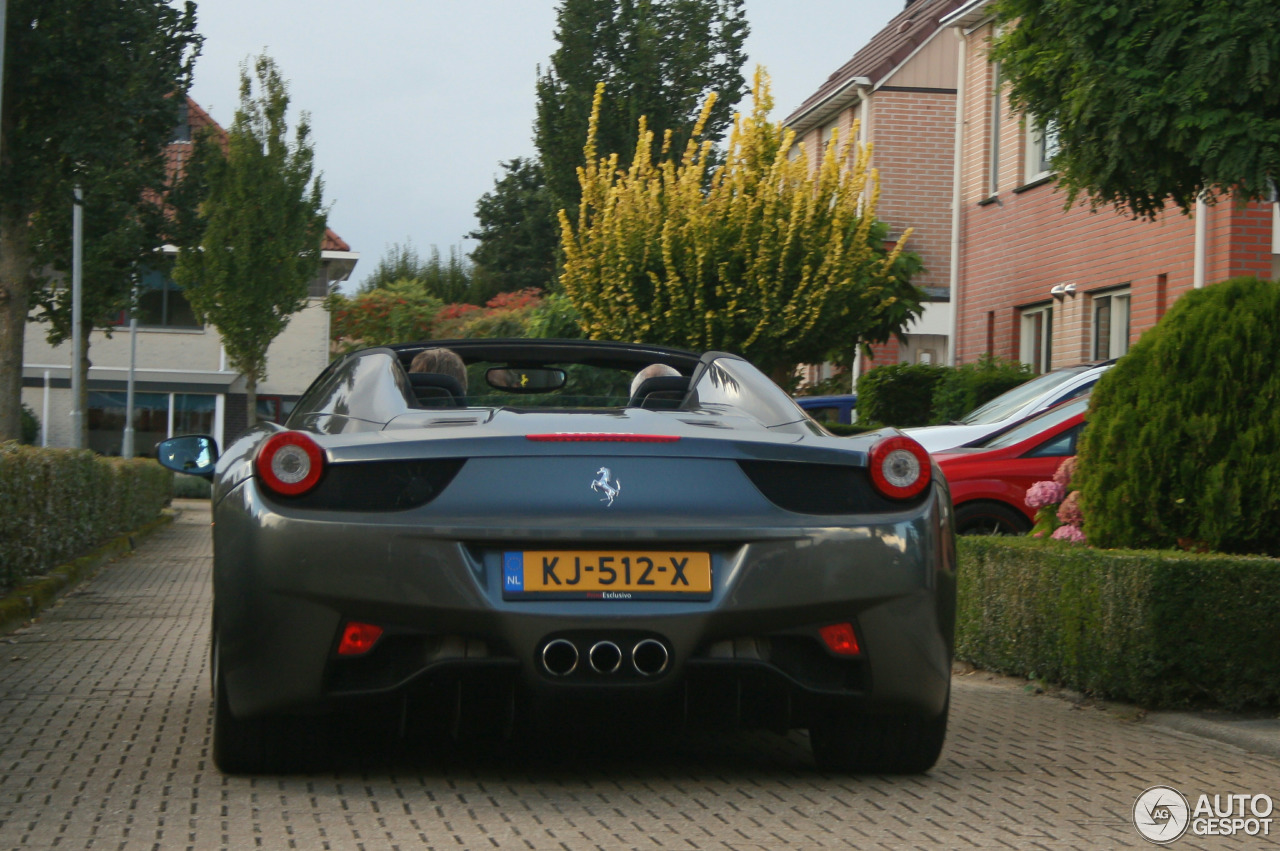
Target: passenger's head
(441, 361)
(653, 370)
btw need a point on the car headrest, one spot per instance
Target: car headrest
(662, 392)
(435, 390)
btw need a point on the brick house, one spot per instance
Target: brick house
(1051, 287)
(182, 382)
(901, 90)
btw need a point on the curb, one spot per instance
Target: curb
(1257, 734)
(24, 603)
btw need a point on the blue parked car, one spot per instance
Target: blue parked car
(830, 409)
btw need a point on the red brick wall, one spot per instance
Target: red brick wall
(913, 138)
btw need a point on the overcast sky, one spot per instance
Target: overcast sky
(414, 103)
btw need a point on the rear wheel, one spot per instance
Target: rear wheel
(260, 745)
(878, 744)
(990, 518)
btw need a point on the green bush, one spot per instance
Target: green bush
(30, 425)
(57, 503)
(899, 394)
(972, 384)
(1158, 628)
(1183, 443)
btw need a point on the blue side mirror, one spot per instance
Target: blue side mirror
(193, 454)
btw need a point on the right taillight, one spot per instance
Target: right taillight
(900, 467)
(290, 463)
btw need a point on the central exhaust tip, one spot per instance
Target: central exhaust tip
(650, 657)
(560, 657)
(605, 657)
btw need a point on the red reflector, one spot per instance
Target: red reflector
(841, 639)
(358, 638)
(601, 437)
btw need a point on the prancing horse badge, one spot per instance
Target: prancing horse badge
(605, 483)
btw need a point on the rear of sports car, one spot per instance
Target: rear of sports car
(477, 568)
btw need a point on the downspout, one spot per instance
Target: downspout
(954, 281)
(1202, 229)
(863, 85)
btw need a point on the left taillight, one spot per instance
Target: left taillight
(900, 468)
(290, 463)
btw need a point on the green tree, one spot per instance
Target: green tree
(92, 96)
(448, 280)
(658, 59)
(399, 312)
(761, 256)
(517, 230)
(261, 224)
(1152, 101)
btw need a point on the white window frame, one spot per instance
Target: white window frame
(1042, 145)
(1110, 339)
(1035, 350)
(997, 109)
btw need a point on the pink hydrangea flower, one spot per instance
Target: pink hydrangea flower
(1069, 511)
(1074, 534)
(1066, 470)
(1045, 493)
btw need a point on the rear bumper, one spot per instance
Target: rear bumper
(284, 586)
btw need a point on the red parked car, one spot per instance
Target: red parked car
(989, 482)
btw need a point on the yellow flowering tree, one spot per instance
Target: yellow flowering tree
(762, 255)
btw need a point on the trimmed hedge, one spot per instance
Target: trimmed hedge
(57, 503)
(899, 394)
(971, 385)
(1157, 628)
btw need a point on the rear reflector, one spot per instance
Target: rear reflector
(841, 638)
(601, 437)
(358, 638)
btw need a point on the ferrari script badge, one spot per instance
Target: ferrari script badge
(607, 485)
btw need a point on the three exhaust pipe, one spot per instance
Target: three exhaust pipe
(648, 657)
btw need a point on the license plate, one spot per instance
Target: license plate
(607, 574)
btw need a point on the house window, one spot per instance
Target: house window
(993, 163)
(1042, 145)
(161, 303)
(1110, 325)
(1037, 338)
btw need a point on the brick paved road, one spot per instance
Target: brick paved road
(104, 738)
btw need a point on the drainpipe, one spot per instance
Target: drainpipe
(954, 280)
(863, 85)
(1202, 228)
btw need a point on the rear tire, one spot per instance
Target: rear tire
(990, 518)
(275, 744)
(878, 744)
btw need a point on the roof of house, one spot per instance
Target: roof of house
(886, 50)
(177, 152)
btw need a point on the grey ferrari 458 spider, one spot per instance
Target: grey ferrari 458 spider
(544, 534)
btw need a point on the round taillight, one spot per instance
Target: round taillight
(290, 463)
(900, 467)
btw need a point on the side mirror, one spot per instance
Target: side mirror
(193, 454)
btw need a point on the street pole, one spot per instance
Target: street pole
(77, 345)
(127, 449)
(4, 13)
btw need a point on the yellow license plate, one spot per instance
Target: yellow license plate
(607, 574)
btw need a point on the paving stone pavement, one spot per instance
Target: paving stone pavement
(104, 744)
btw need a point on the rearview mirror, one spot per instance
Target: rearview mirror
(536, 379)
(193, 454)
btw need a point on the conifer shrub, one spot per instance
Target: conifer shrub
(899, 394)
(1182, 446)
